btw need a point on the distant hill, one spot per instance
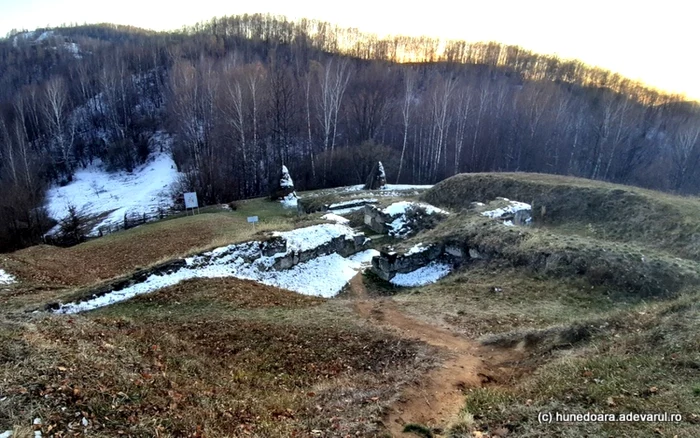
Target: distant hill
(243, 95)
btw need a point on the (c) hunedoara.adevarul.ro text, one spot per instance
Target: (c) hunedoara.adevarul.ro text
(595, 417)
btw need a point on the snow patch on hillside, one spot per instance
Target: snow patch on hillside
(6, 278)
(388, 187)
(331, 217)
(45, 35)
(417, 249)
(94, 191)
(74, 49)
(401, 223)
(422, 276)
(512, 208)
(308, 238)
(322, 276)
(402, 207)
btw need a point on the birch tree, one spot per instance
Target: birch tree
(407, 103)
(62, 131)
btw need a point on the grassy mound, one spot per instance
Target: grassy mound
(626, 267)
(220, 357)
(585, 207)
(645, 361)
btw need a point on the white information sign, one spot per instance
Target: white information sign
(191, 200)
(252, 219)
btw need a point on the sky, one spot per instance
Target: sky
(654, 42)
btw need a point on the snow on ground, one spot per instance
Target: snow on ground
(422, 276)
(335, 218)
(323, 276)
(45, 35)
(94, 191)
(364, 258)
(343, 204)
(290, 201)
(407, 187)
(341, 211)
(402, 207)
(74, 49)
(511, 208)
(395, 187)
(304, 239)
(416, 249)
(6, 278)
(400, 221)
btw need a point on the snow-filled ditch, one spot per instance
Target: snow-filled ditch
(94, 191)
(323, 276)
(429, 273)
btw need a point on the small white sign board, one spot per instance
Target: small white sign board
(191, 200)
(252, 219)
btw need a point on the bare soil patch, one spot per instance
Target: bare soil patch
(436, 399)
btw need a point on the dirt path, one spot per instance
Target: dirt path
(438, 398)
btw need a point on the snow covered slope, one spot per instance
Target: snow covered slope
(94, 191)
(322, 276)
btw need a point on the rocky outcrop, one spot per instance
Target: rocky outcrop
(376, 219)
(402, 219)
(522, 217)
(343, 245)
(510, 212)
(285, 186)
(388, 264)
(377, 177)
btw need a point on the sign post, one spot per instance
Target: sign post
(253, 220)
(191, 201)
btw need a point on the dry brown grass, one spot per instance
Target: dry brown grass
(483, 300)
(124, 252)
(173, 370)
(225, 357)
(229, 292)
(645, 361)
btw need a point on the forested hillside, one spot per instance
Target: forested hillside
(239, 96)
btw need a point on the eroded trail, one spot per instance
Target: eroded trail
(438, 398)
